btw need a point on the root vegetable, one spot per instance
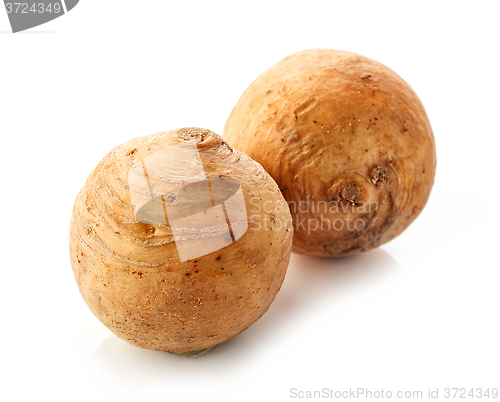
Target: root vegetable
(348, 142)
(178, 242)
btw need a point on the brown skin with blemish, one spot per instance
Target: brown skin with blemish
(344, 137)
(131, 276)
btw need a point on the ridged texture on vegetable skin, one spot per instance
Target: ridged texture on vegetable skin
(338, 131)
(131, 277)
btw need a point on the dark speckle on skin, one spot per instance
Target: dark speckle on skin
(380, 175)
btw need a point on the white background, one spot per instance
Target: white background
(420, 312)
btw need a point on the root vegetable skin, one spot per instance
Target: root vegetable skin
(130, 274)
(338, 131)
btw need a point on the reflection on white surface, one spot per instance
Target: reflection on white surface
(311, 289)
